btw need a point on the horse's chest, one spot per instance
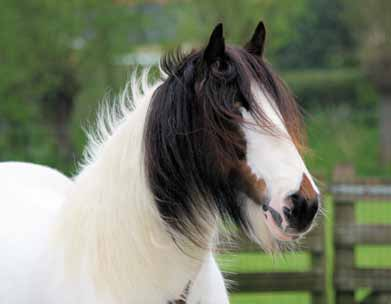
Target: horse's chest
(184, 296)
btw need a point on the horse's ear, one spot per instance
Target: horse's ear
(216, 47)
(257, 42)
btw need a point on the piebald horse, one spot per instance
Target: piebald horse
(214, 142)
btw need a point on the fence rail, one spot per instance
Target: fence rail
(347, 190)
(278, 281)
(312, 281)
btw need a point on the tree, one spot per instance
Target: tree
(323, 38)
(240, 19)
(49, 51)
(372, 24)
(304, 33)
(37, 65)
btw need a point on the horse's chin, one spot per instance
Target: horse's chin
(277, 232)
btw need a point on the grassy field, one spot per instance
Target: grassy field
(366, 256)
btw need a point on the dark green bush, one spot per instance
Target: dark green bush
(322, 88)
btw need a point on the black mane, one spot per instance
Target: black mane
(193, 141)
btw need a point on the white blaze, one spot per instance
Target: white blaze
(273, 157)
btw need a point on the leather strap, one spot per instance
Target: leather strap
(183, 297)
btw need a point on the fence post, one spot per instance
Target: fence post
(377, 298)
(344, 253)
(318, 266)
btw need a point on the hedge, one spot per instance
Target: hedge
(320, 88)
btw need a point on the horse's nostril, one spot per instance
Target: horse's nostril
(301, 215)
(298, 201)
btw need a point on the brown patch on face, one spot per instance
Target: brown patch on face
(306, 189)
(254, 187)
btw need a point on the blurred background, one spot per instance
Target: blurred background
(59, 59)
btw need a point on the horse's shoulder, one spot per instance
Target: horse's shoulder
(33, 175)
(30, 199)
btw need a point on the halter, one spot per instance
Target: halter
(183, 297)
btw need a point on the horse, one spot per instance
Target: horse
(215, 142)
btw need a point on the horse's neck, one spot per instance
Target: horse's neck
(111, 228)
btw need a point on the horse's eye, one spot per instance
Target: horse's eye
(237, 104)
(241, 103)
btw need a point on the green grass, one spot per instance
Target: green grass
(373, 212)
(365, 256)
(373, 256)
(255, 262)
(271, 298)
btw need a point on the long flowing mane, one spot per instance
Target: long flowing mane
(192, 135)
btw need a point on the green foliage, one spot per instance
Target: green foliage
(45, 39)
(341, 134)
(50, 50)
(31, 142)
(301, 34)
(240, 19)
(316, 88)
(323, 38)
(371, 23)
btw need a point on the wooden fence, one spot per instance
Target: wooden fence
(312, 281)
(347, 190)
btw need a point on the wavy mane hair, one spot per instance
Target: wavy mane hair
(193, 140)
